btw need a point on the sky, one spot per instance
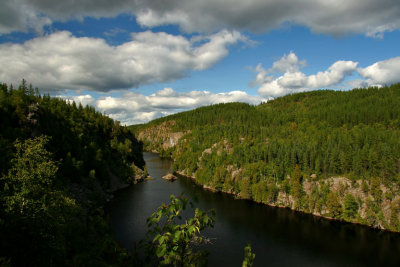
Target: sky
(137, 60)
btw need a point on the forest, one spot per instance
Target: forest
(331, 153)
(59, 163)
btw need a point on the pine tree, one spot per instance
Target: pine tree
(350, 207)
(296, 186)
(333, 205)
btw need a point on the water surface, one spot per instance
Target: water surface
(279, 237)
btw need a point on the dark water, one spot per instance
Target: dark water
(279, 237)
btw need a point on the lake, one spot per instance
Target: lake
(279, 237)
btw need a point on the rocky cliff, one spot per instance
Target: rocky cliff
(160, 137)
(354, 200)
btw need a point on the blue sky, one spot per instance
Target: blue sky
(139, 60)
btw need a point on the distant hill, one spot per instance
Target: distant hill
(331, 153)
(59, 163)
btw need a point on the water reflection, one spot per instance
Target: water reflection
(279, 237)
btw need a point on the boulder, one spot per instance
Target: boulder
(170, 177)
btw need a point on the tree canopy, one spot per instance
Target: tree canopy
(58, 163)
(267, 152)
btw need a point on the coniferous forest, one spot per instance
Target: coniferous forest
(59, 163)
(335, 154)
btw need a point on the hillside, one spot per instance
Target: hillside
(335, 154)
(59, 164)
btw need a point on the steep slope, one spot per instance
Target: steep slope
(331, 153)
(59, 163)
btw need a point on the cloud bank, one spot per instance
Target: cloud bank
(382, 72)
(285, 77)
(369, 17)
(133, 108)
(62, 61)
(292, 80)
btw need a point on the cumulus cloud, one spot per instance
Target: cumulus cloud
(370, 17)
(381, 73)
(288, 63)
(83, 99)
(293, 80)
(62, 61)
(133, 108)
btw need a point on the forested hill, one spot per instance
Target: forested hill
(59, 162)
(331, 153)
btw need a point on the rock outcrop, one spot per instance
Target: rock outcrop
(170, 177)
(160, 137)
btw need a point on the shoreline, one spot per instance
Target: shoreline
(180, 174)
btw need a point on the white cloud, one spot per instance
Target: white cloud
(381, 73)
(293, 80)
(288, 63)
(262, 76)
(63, 61)
(334, 75)
(133, 108)
(370, 17)
(83, 99)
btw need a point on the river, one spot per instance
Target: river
(279, 237)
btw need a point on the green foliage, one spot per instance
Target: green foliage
(172, 241)
(353, 134)
(33, 206)
(333, 205)
(30, 177)
(81, 138)
(246, 188)
(364, 186)
(394, 217)
(350, 207)
(322, 132)
(248, 257)
(296, 186)
(376, 190)
(56, 163)
(372, 213)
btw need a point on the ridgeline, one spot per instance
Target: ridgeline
(59, 164)
(334, 154)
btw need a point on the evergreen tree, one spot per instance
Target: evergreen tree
(333, 205)
(350, 207)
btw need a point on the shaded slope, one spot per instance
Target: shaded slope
(59, 163)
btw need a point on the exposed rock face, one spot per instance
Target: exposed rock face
(31, 120)
(160, 136)
(32, 116)
(170, 177)
(313, 197)
(377, 204)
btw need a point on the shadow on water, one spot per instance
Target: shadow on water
(279, 237)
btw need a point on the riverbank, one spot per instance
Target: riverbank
(279, 236)
(287, 201)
